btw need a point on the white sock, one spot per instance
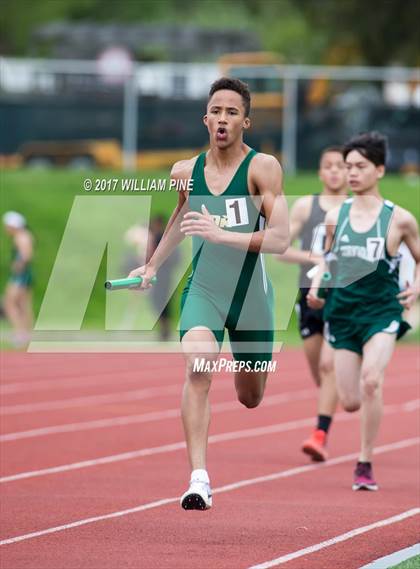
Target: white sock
(201, 475)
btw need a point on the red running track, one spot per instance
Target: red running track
(93, 464)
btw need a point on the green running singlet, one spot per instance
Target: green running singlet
(228, 287)
(363, 300)
(23, 278)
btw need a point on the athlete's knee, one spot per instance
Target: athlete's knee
(326, 367)
(350, 403)
(371, 381)
(200, 364)
(316, 377)
(197, 381)
(250, 399)
(250, 389)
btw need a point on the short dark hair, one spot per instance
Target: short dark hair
(233, 85)
(333, 148)
(372, 145)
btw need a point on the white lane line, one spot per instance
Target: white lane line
(147, 417)
(72, 383)
(86, 521)
(100, 399)
(406, 443)
(159, 367)
(337, 539)
(394, 558)
(413, 405)
(30, 384)
(233, 435)
(98, 379)
(230, 436)
(89, 400)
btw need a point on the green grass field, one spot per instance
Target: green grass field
(46, 199)
(412, 563)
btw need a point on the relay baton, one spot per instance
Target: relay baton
(312, 272)
(326, 277)
(322, 292)
(119, 284)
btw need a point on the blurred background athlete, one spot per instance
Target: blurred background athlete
(17, 300)
(307, 222)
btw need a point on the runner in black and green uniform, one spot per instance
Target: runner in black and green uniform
(235, 212)
(364, 308)
(307, 221)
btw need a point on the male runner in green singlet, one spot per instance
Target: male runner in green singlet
(235, 212)
(18, 293)
(307, 222)
(364, 309)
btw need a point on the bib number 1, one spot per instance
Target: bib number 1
(237, 212)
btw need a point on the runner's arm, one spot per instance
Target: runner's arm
(299, 215)
(268, 178)
(411, 238)
(172, 236)
(331, 223)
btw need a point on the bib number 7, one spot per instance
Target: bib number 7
(375, 248)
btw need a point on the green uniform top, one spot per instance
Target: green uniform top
(233, 279)
(365, 275)
(24, 277)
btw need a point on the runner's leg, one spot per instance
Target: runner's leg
(347, 366)
(377, 353)
(250, 386)
(312, 348)
(328, 398)
(198, 344)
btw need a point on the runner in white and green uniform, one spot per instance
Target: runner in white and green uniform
(363, 300)
(364, 307)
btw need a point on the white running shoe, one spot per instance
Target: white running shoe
(197, 497)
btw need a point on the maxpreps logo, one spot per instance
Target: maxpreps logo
(221, 220)
(201, 365)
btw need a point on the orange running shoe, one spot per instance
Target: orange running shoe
(315, 446)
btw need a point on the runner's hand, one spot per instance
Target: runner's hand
(313, 300)
(408, 296)
(146, 272)
(202, 225)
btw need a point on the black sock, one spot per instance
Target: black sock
(324, 422)
(362, 462)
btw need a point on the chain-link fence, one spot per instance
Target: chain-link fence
(297, 110)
